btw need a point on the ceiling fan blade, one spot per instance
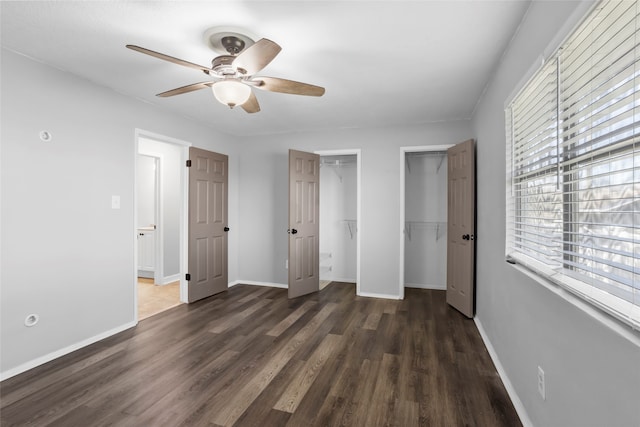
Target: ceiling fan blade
(185, 89)
(275, 84)
(168, 58)
(257, 56)
(251, 105)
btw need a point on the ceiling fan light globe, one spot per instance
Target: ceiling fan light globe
(231, 92)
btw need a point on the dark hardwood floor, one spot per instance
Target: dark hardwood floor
(251, 357)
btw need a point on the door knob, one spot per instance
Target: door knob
(226, 229)
(292, 231)
(465, 237)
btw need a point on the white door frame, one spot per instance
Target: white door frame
(184, 155)
(357, 153)
(403, 159)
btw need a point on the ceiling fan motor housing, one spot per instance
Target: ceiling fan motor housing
(222, 66)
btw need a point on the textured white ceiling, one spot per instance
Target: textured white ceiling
(381, 62)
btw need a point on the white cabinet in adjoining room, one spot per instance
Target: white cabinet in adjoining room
(146, 252)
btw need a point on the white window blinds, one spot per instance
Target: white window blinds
(573, 157)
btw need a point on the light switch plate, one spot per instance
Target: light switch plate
(115, 202)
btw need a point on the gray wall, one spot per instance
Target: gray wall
(146, 203)
(263, 197)
(66, 255)
(592, 373)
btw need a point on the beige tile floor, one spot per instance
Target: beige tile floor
(153, 299)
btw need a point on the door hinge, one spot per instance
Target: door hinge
(188, 163)
(187, 277)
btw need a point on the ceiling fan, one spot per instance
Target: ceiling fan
(233, 73)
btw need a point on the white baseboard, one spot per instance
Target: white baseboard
(63, 351)
(423, 286)
(254, 283)
(170, 279)
(338, 279)
(375, 295)
(517, 403)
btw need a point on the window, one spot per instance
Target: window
(573, 163)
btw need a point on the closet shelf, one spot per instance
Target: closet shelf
(336, 164)
(352, 226)
(440, 155)
(438, 226)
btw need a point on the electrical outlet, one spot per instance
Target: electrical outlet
(541, 385)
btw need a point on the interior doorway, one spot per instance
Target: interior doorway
(147, 175)
(160, 228)
(423, 217)
(340, 217)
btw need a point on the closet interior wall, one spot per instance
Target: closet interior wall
(426, 220)
(338, 228)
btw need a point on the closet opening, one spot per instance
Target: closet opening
(423, 246)
(339, 217)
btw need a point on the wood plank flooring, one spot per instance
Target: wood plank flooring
(251, 357)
